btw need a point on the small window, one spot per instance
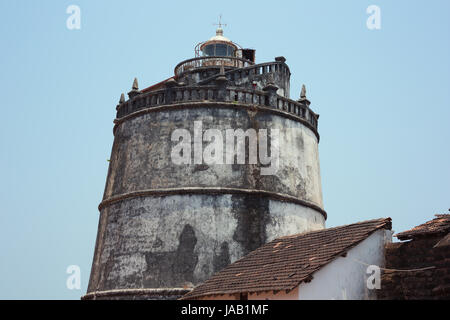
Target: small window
(230, 52)
(208, 50)
(221, 50)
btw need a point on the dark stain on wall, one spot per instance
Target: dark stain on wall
(252, 214)
(169, 269)
(222, 260)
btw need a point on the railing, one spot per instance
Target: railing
(297, 108)
(258, 69)
(211, 61)
(216, 93)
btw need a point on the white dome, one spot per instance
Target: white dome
(219, 36)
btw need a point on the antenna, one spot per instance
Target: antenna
(220, 24)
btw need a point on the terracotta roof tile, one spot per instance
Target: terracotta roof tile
(440, 224)
(285, 262)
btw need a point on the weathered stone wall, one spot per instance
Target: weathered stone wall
(432, 283)
(141, 158)
(171, 226)
(180, 240)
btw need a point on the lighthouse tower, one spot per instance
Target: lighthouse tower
(205, 167)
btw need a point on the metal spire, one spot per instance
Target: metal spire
(219, 25)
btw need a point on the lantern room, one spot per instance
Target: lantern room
(218, 46)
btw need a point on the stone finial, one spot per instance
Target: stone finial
(122, 98)
(303, 99)
(134, 89)
(303, 92)
(135, 85)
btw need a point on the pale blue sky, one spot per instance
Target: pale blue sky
(383, 96)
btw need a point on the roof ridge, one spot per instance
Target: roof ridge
(436, 225)
(257, 250)
(388, 219)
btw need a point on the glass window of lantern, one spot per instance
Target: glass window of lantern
(221, 50)
(230, 52)
(208, 50)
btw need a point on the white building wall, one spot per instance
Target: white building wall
(346, 277)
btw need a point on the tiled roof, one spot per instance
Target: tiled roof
(284, 263)
(440, 224)
(156, 86)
